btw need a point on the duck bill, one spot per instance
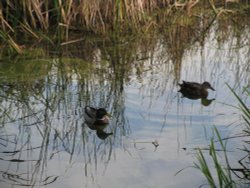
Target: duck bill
(211, 88)
(108, 114)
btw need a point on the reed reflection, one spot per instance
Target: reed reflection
(47, 117)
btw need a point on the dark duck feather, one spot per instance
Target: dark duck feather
(97, 119)
(102, 134)
(94, 116)
(193, 90)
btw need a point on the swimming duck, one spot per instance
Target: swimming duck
(97, 119)
(193, 90)
(96, 116)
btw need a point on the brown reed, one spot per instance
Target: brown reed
(43, 16)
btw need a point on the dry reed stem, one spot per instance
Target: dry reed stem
(72, 41)
(98, 16)
(4, 23)
(26, 27)
(14, 45)
(93, 14)
(38, 10)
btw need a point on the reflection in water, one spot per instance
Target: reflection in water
(43, 137)
(194, 91)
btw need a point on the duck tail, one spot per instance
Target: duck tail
(183, 83)
(90, 111)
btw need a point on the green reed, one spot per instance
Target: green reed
(243, 108)
(224, 172)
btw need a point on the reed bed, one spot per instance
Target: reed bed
(39, 18)
(95, 15)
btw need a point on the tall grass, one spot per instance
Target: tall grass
(42, 16)
(92, 14)
(224, 174)
(243, 108)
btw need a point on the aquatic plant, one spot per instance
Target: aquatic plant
(243, 108)
(224, 173)
(39, 17)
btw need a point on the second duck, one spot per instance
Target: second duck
(194, 90)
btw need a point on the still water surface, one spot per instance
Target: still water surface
(45, 142)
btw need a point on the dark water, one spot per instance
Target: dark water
(43, 138)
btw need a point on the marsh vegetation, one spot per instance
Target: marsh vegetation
(57, 57)
(56, 21)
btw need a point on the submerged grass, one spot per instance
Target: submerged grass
(224, 173)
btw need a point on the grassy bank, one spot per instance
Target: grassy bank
(53, 21)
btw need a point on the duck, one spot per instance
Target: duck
(194, 90)
(96, 116)
(97, 119)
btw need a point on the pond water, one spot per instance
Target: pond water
(44, 141)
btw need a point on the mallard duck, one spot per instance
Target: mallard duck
(97, 119)
(193, 90)
(94, 116)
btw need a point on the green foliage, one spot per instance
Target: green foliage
(243, 107)
(203, 167)
(223, 173)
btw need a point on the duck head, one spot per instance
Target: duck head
(94, 116)
(100, 113)
(97, 119)
(207, 85)
(102, 117)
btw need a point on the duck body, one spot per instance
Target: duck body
(97, 119)
(194, 90)
(94, 116)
